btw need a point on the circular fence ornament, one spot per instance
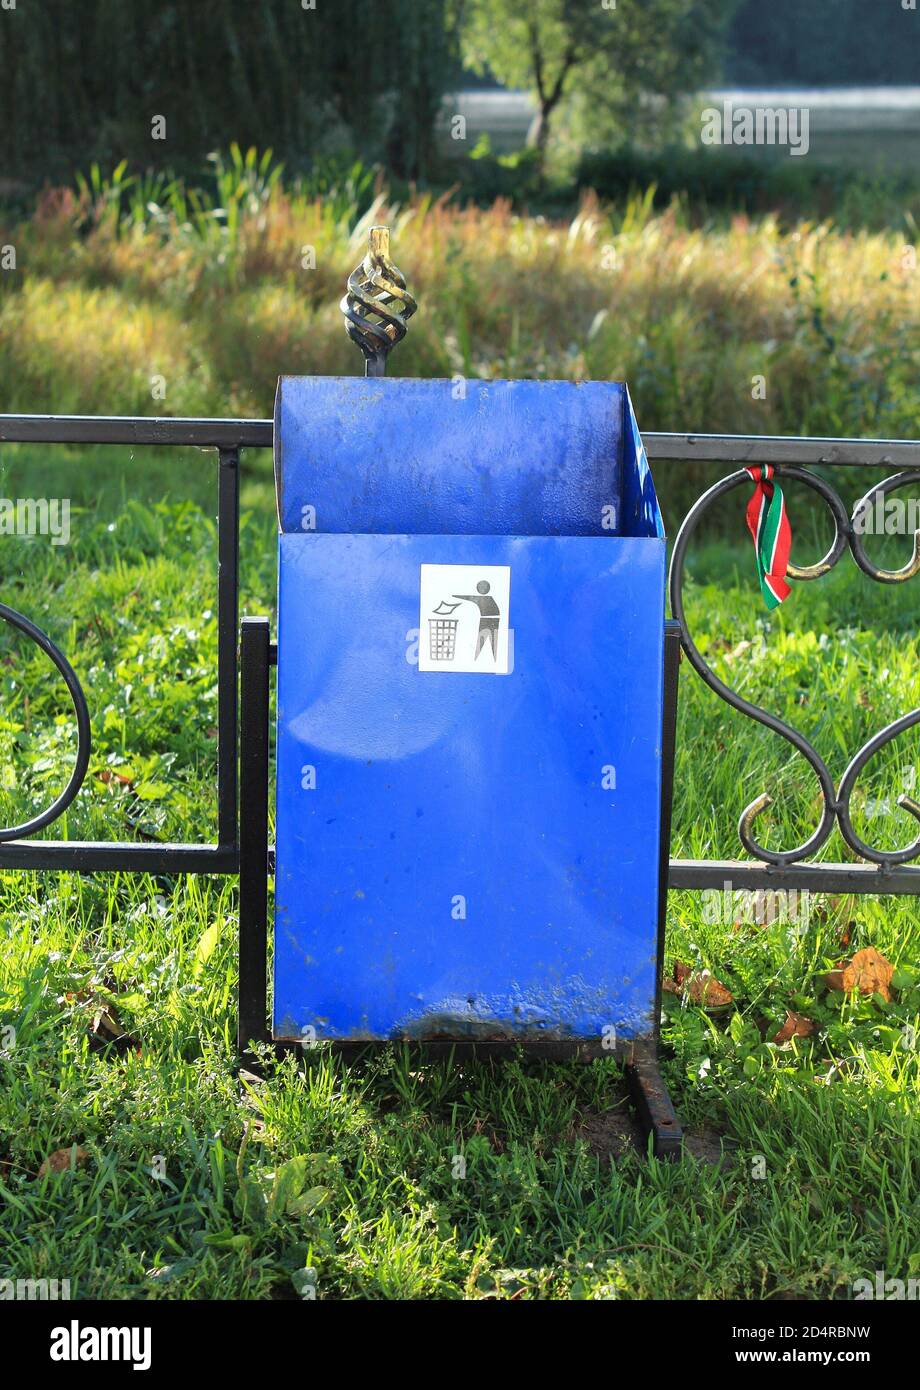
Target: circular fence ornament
(84, 736)
(835, 804)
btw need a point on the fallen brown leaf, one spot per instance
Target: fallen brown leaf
(700, 987)
(869, 972)
(106, 775)
(105, 1022)
(62, 1159)
(705, 989)
(675, 985)
(796, 1026)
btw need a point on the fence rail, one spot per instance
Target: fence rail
(872, 871)
(200, 432)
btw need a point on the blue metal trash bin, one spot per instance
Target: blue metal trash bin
(469, 729)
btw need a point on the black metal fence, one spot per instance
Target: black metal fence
(873, 870)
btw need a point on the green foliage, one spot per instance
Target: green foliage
(834, 43)
(331, 1180)
(793, 190)
(605, 55)
(119, 288)
(83, 82)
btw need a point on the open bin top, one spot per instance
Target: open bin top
(403, 456)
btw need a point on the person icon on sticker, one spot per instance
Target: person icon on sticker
(489, 617)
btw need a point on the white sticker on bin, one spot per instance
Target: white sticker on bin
(463, 619)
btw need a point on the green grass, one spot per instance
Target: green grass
(203, 1184)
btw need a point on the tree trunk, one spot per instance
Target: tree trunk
(538, 132)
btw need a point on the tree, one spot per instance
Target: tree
(611, 53)
(833, 44)
(83, 81)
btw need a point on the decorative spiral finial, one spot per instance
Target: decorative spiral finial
(377, 304)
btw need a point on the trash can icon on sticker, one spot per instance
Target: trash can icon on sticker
(442, 632)
(464, 609)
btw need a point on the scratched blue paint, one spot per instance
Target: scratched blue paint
(385, 455)
(450, 862)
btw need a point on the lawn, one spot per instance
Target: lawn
(343, 1180)
(819, 1181)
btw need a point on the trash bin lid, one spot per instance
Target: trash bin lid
(460, 457)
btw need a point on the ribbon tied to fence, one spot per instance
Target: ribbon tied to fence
(768, 523)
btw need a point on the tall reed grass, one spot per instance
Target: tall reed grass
(146, 294)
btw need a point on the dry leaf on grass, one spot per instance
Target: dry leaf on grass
(106, 775)
(105, 1022)
(700, 987)
(61, 1160)
(704, 988)
(106, 1030)
(868, 971)
(675, 985)
(796, 1026)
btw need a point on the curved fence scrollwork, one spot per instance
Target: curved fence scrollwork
(84, 735)
(377, 291)
(848, 533)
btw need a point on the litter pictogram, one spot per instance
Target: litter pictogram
(465, 611)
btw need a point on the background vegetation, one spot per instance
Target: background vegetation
(837, 43)
(148, 294)
(156, 282)
(83, 82)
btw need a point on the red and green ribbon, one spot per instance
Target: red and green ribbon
(768, 523)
